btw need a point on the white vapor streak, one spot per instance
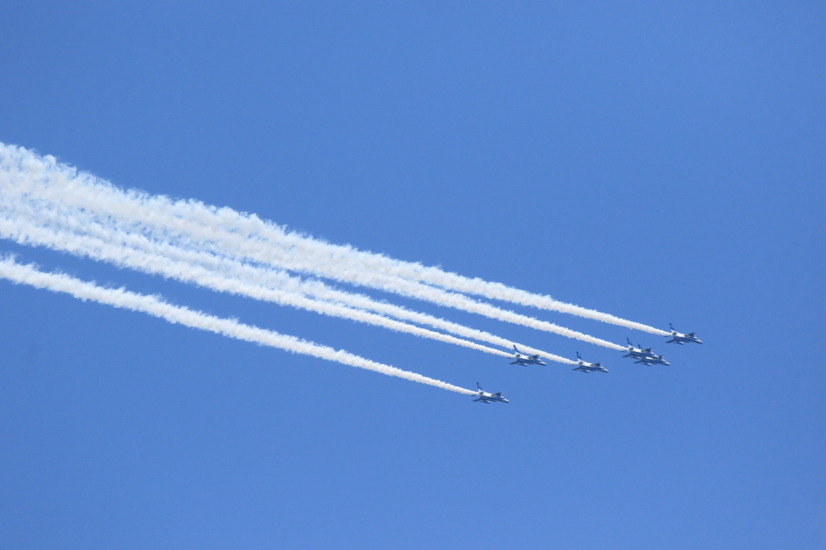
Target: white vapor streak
(120, 298)
(346, 257)
(185, 221)
(45, 216)
(39, 233)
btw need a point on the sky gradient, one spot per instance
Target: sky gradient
(661, 163)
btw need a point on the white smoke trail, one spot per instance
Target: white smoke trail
(464, 303)
(185, 221)
(24, 232)
(34, 222)
(120, 298)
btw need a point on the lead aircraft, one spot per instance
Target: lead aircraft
(679, 338)
(487, 397)
(585, 366)
(525, 360)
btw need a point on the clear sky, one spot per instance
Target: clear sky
(657, 161)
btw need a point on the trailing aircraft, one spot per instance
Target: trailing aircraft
(654, 359)
(646, 356)
(679, 338)
(585, 366)
(636, 352)
(525, 360)
(487, 397)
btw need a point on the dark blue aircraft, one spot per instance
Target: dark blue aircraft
(487, 397)
(646, 356)
(585, 366)
(525, 360)
(679, 338)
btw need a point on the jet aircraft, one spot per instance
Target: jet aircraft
(653, 359)
(525, 360)
(585, 366)
(487, 397)
(646, 356)
(679, 338)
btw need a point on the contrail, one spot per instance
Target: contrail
(38, 233)
(242, 237)
(346, 257)
(47, 225)
(120, 298)
(458, 301)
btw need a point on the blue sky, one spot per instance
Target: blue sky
(655, 161)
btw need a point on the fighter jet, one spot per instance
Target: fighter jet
(679, 338)
(636, 352)
(525, 360)
(653, 359)
(646, 356)
(487, 397)
(585, 366)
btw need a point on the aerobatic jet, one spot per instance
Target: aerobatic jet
(646, 356)
(487, 397)
(585, 366)
(525, 360)
(653, 359)
(679, 338)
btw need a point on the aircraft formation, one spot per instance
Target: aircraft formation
(638, 354)
(46, 203)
